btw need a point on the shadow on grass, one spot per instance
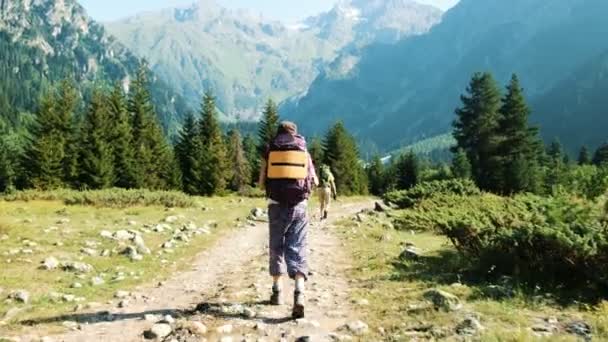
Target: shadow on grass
(218, 310)
(447, 267)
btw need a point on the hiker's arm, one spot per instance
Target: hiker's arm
(262, 179)
(312, 172)
(333, 188)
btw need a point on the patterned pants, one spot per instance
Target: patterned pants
(288, 239)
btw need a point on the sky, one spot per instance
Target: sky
(287, 10)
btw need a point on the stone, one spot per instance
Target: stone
(249, 313)
(46, 339)
(50, 263)
(470, 326)
(379, 207)
(410, 253)
(88, 251)
(150, 318)
(105, 253)
(226, 339)
(21, 296)
(97, 281)
(361, 218)
(225, 329)
(123, 303)
(76, 285)
(121, 294)
(340, 337)
(171, 219)
(158, 331)
(78, 267)
(106, 234)
(168, 319)
(68, 298)
(358, 328)
(122, 235)
(443, 300)
(167, 245)
(141, 245)
(580, 328)
(63, 221)
(197, 328)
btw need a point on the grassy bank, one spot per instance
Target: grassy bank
(389, 292)
(43, 227)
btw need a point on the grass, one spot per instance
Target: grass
(40, 221)
(394, 289)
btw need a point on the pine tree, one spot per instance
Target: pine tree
(7, 166)
(253, 159)
(315, 148)
(46, 164)
(555, 174)
(342, 156)
(67, 103)
(600, 158)
(188, 152)
(461, 167)
(214, 166)
(408, 171)
(518, 142)
(375, 175)
(475, 130)
(96, 158)
(584, 157)
(241, 171)
(121, 140)
(268, 126)
(153, 157)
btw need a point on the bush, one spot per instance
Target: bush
(410, 198)
(112, 198)
(538, 240)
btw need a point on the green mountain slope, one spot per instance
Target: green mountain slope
(245, 58)
(45, 41)
(398, 94)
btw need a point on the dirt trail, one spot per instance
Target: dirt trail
(233, 275)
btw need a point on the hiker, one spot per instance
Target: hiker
(288, 175)
(327, 190)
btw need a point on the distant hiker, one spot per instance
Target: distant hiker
(288, 174)
(327, 190)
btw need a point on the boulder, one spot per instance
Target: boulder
(50, 263)
(78, 267)
(410, 253)
(106, 234)
(443, 300)
(122, 235)
(358, 328)
(97, 281)
(379, 207)
(158, 331)
(171, 219)
(581, 329)
(21, 296)
(470, 326)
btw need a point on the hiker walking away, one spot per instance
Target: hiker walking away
(327, 190)
(288, 174)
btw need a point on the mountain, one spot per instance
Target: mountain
(44, 41)
(576, 110)
(246, 58)
(397, 94)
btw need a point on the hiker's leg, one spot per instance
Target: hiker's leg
(276, 242)
(276, 248)
(296, 242)
(321, 195)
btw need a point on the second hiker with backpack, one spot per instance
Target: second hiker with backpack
(327, 190)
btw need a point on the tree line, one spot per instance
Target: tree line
(118, 143)
(498, 148)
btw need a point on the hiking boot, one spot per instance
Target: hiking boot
(276, 298)
(298, 305)
(325, 215)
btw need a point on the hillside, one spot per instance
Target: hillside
(399, 94)
(245, 58)
(45, 41)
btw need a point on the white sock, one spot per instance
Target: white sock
(276, 285)
(300, 284)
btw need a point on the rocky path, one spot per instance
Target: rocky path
(224, 297)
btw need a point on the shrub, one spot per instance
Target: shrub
(539, 240)
(410, 198)
(112, 198)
